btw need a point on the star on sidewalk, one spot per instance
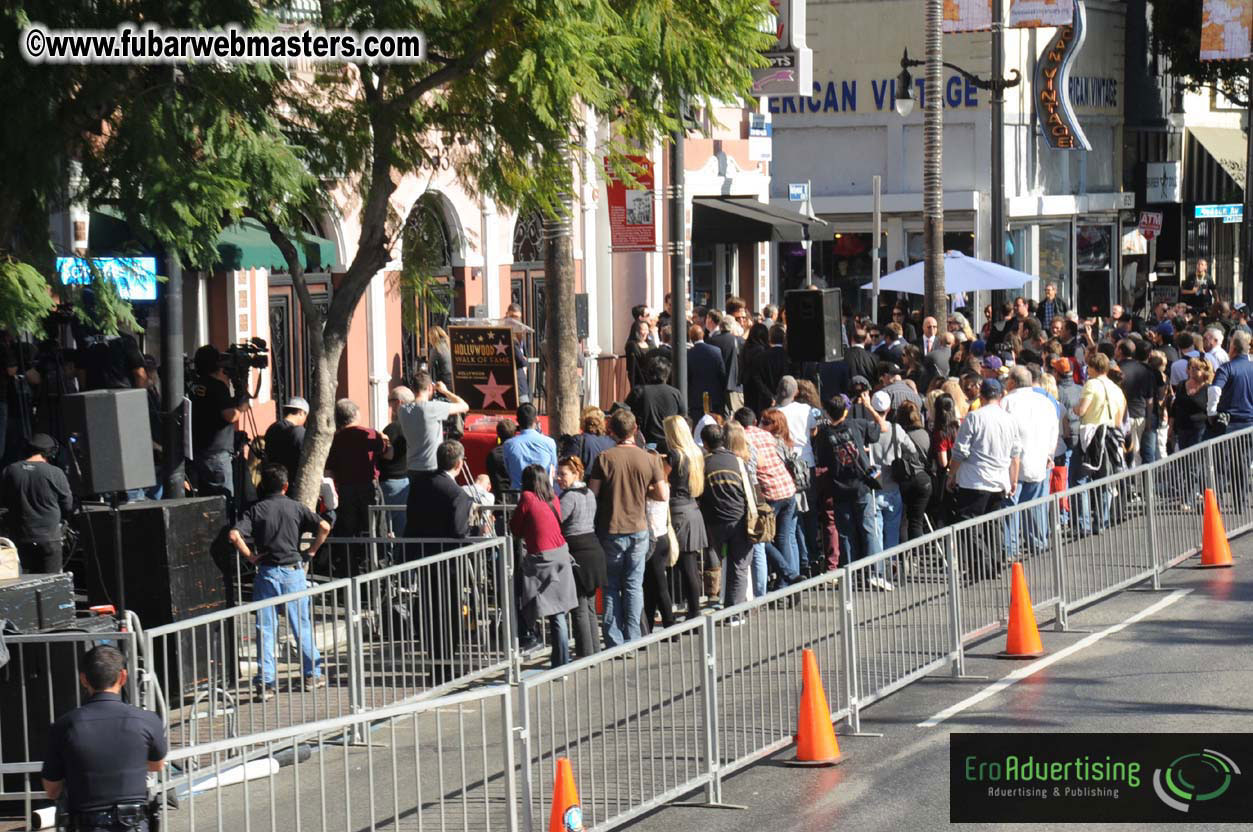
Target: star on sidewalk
(492, 392)
(502, 349)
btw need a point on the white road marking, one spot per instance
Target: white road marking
(1036, 666)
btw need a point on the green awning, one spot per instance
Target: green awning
(247, 245)
(108, 233)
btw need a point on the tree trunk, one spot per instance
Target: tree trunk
(320, 428)
(935, 297)
(561, 342)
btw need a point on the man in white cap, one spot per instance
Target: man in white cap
(285, 437)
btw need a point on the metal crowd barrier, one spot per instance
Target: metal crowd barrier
(437, 764)
(669, 714)
(383, 637)
(39, 684)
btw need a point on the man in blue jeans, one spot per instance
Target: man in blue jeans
(624, 478)
(275, 525)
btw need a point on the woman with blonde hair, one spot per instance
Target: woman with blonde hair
(686, 464)
(439, 354)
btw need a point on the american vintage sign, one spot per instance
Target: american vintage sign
(1052, 86)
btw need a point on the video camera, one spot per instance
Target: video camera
(240, 358)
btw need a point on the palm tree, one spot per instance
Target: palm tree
(935, 298)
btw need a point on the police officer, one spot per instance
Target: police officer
(100, 753)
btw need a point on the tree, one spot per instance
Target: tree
(172, 153)
(503, 96)
(1177, 37)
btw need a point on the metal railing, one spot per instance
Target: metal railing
(39, 684)
(677, 711)
(436, 764)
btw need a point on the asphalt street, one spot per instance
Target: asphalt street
(1183, 666)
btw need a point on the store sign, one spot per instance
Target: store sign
(1094, 93)
(849, 97)
(1225, 26)
(1033, 14)
(791, 67)
(1226, 213)
(632, 226)
(483, 368)
(1161, 182)
(1052, 85)
(1150, 224)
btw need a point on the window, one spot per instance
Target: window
(1055, 258)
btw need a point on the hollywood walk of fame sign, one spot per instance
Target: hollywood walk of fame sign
(483, 369)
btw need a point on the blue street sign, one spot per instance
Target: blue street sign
(798, 191)
(1227, 213)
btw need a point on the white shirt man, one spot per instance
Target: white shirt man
(1214, 352)
(930, 337)
(1038, 426)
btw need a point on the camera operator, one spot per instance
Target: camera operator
(113, 363)
(214, 410)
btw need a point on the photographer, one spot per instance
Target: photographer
(214, 410)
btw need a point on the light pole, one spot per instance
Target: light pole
(997, 86)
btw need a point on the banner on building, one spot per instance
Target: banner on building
(632, 226)
(483, 368)
(967, 15)
(1225, 30)
(1054, 108)
(1033, 14)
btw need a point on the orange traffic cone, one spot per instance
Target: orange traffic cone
(815, 735)
(567, 814)
(1215, 550)
(1024, 637)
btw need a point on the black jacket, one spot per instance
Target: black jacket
(862, 363)
(706, 373)
(761, 377)
(730, 345)
(437, 507)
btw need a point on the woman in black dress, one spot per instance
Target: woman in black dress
(687, 482)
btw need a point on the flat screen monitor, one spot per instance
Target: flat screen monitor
(135, 277)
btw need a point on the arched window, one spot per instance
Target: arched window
(426, 283)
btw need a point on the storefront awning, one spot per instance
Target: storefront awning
(1227, 147)
(722, 219)
(247, 245)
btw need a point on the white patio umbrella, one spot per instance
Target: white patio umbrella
(961, 274)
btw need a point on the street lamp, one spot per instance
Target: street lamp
(996, 85)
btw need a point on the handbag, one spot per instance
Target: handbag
(906, 465)
(759, 520)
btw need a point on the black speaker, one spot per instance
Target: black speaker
(814, 318)
(111, 439)
(580, 315)
(171, 557)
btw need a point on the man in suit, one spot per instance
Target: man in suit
(860, 360)
(438, 507)
(935, 364)
(706, 373)
(720, 336)
(762, 375)
(930, 335)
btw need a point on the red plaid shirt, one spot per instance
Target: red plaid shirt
(772, 475)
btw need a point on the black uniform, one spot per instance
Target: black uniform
(37, 496)
(102, 750)
(110, 364)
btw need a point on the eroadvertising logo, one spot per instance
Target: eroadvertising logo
(1099, 777)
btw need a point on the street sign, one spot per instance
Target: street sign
(1150, 224)
(1220, 212)
(798, 192)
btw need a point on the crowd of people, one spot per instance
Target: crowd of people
(769, 472)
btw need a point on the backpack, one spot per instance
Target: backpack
(798, 470)
(841, 457)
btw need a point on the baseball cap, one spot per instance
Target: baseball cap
(991, 362)
(881, 402)
(862, 380)
(297, 403)
(1166, 329)
(1061, 365)
(890, 368)
(990, 388)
